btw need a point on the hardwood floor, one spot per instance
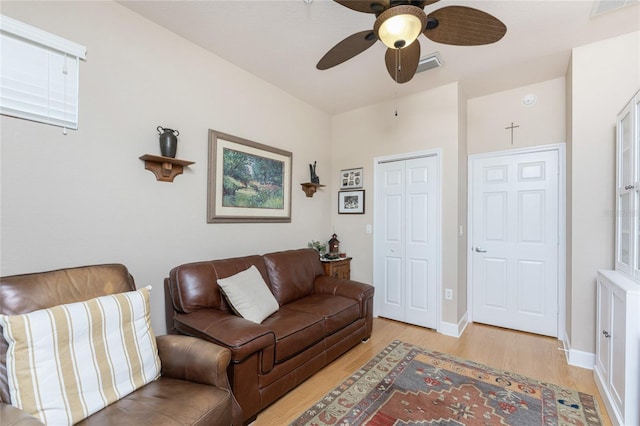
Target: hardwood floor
(527, 354)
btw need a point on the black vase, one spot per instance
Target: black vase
(168, 142)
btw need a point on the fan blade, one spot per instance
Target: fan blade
(347, 49)
(465, 26)
(404, 61)
(422, 3)
(366, 6)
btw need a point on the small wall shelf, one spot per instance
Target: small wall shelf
(311, 188)
(165, 168)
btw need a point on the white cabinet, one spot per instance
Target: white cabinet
(628, 189)
(617, 369)
(617, 372)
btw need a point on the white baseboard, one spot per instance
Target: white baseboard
(452, 329)
(578, 358)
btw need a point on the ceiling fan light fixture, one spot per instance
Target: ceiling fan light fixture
(399, 26)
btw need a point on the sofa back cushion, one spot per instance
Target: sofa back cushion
(292, 273)
(195, 286)
(20, 294)
(25, 293)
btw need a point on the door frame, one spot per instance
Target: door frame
(562, 225)
(437, 152)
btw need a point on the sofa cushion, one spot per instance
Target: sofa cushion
(168, 402)
(295, 331)
(249, 295)
(194, 286)
(292, 273)
(336, 311)
(118, 355)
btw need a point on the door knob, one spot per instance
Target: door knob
(480, 250)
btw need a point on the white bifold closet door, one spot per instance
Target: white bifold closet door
(406, 267)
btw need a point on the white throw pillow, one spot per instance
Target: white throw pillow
(70, 361)
(248, 295)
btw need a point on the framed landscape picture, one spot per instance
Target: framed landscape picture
(351, 202)
(351, 178)
(247, 181)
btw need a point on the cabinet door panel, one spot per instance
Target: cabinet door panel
(624, 227)
(627, 189)
(604, 325)
(636, 189)
(625, 148)
(636, 218)
(618, 333)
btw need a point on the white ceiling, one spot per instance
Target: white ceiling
(281, 42)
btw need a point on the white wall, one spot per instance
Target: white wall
(542, 123)
(605, 75)
(85, 198)
(426, 120)
(463, 142)
(569, 195)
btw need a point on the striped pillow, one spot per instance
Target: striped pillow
(67, 362)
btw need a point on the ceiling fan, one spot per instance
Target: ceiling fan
(399, 23)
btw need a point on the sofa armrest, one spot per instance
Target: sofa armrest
(361, 292)
(12, 416)
(194, 360)
(242, 337)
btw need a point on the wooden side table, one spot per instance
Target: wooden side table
(340, 268)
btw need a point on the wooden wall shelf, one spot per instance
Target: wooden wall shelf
(311, 188)
(165, 168)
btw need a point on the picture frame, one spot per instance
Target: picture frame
(351, 178)
(351, 202)
(248, 182)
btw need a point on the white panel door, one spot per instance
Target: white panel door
(407, 245)
(420, 242)
(390, 237)
(515, 241)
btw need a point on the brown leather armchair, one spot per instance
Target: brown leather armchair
(193, 387)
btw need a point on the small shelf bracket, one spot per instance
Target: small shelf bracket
(164, 168)
(311, 188)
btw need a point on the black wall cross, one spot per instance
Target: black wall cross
(511, 128)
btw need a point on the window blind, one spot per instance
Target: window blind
(39, 74)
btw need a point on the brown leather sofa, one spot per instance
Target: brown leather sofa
(319, 319)
(193, 388)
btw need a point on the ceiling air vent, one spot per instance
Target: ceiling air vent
(604, 6)
(429, 62)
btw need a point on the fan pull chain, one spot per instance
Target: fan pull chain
(396, 103)
(397, 69)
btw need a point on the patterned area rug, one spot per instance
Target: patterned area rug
(408, 385)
